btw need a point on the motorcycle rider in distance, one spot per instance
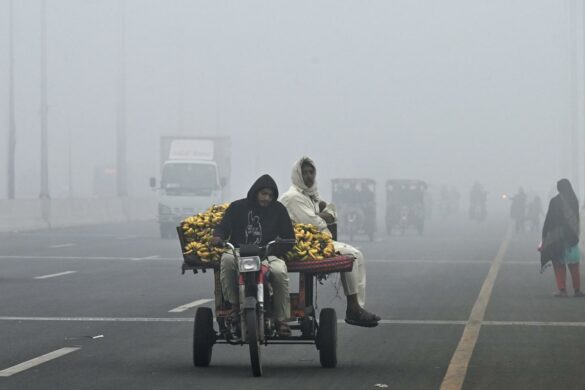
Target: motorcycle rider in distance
(518, 209)
(257, 219)
(477, 202)
(534, 211)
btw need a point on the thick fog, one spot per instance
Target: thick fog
(449, 92)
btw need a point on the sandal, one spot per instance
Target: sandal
(232, 322)
(282, 329)
(362, 318)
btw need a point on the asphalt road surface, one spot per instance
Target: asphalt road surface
(463, 307)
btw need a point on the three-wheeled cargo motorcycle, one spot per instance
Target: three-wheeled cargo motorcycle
(255, 325)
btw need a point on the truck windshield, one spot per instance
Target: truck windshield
(187, 179)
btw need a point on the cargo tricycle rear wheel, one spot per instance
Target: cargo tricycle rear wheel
(203, 337)
(327, 338)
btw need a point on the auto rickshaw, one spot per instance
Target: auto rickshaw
(355, 200)
(405, 205)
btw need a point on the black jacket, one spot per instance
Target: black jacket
(558, 234)
(246, 222)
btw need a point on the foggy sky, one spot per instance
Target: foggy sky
(445, 91)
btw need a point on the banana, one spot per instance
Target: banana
(311, 244)
(198, 231)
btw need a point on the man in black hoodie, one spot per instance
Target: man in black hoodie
(257, 219)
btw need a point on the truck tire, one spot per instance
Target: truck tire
(167, 230)
(164, 233)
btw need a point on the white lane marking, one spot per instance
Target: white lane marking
(457, 370)
(61, 246)
(154, 257)
(421, 322)
(386, 322)
(126, 237)
(418, 261)
(34, 257)
(99, 319)
(534, 323)
(415, 322)
(55, 275)
(37, 361)
(522, 262)
(188, 306)
(391, 261)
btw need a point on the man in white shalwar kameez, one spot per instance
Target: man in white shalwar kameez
(304, 206)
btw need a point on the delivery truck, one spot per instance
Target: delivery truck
(194, 175)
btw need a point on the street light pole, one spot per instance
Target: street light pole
(121, 168)
(11, 120)
(44, 194)
(576, 179)
(69, 160)
(582, 24)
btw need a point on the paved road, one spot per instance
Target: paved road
(464, 306)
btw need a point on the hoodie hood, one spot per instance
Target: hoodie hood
(246, 222)
(264, 181)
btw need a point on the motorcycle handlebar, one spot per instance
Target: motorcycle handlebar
(280, 241)
(284, 241)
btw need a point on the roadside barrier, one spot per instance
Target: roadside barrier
(33, 214)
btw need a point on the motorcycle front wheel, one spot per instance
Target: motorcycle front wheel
(253, 342)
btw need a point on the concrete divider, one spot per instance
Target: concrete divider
(141, 209)
(74, 212)
(32, 214)
(22, 214)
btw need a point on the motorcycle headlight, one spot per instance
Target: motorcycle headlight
(249, 264)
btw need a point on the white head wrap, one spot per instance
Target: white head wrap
(297, 179)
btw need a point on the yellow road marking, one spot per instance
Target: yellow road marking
(457, 369)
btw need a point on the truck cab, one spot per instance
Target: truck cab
(194, 176)
(187, 188)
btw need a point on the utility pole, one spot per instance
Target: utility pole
(44, 107)
(575, 101)
(582, 106)
(69, 161)
(182, 79)
(121, 168)
(11, 121)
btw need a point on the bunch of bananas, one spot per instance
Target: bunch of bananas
(311, 244)
(198, 231)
